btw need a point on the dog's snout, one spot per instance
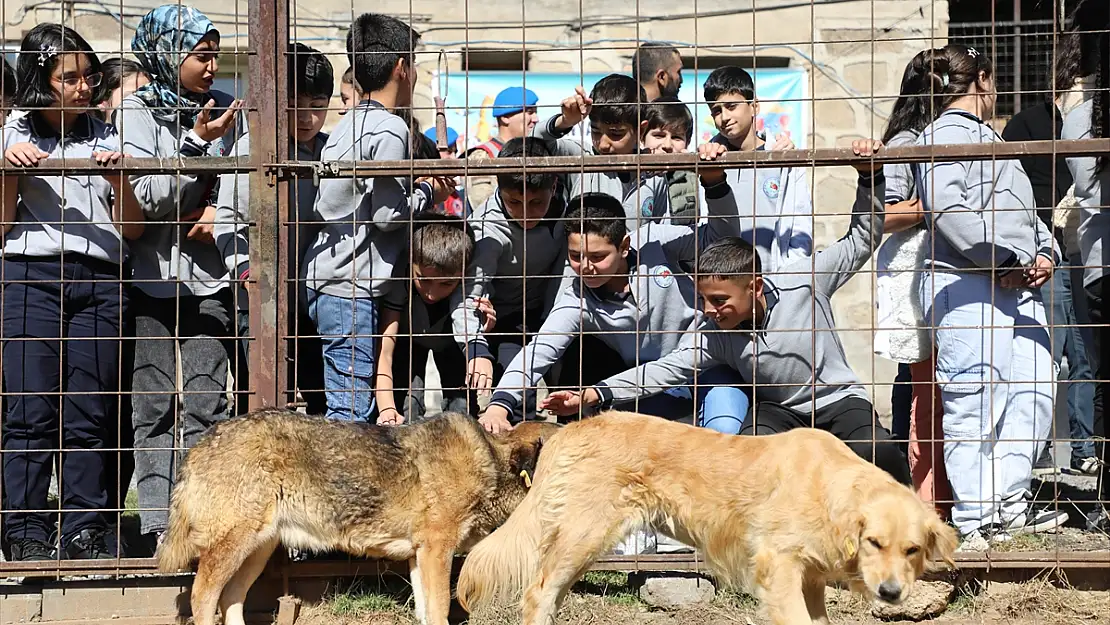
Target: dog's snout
(890, 591)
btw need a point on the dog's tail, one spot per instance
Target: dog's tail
(499, 566)
(178, 549)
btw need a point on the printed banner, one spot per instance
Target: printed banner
(781, 92)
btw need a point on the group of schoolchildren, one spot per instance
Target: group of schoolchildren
(687, 295)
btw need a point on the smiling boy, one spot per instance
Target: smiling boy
(776, 210)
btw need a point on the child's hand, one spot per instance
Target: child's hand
(485, 307)
(563, 403)
(390, 416)
(783, 142)
(211, 129)
(442, 187)
(1039, 273)
(575, 109)
(495, 420)
(711, 152)
(866, 147)
(570, 403)
(24, 155)
(479, 374)
(204, 229)
(108, 158)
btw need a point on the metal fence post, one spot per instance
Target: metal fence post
(269, 29)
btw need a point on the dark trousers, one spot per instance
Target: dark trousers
(201, 328)
(304, 364)
(410, 387)
(901, 403)
(1098, 308)
(851, 419)
(61, 341)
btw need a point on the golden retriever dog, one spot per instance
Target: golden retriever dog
(780, 516)
(421, 493)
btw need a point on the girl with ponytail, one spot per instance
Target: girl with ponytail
(987, 256)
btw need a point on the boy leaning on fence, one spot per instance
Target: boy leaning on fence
(416, 317)
(364, 219)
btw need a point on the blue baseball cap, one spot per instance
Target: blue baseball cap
(513, 100)
(452, 136)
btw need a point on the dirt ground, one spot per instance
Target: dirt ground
(605, 598)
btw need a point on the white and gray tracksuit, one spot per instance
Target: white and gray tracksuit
(994, 363)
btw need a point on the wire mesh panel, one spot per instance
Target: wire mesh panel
(545, 210)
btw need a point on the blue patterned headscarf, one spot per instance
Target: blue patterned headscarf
(162, 40)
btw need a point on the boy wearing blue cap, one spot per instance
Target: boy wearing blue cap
(514, 110)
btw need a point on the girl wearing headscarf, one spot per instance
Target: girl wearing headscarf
(182, 298)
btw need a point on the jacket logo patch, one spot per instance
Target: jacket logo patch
(662, 277)
(771, 188)
(647, 208)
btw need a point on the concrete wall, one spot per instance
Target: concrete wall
(853, 52)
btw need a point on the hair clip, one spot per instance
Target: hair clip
(972, 52)
(46, 53)
(944, 80)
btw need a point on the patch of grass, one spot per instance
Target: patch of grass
(131, 504)
(363, 599)
(1028, 542)
(965, 602)
(613, 586)
(362, 604)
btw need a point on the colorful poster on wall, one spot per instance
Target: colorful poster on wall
(781, 91)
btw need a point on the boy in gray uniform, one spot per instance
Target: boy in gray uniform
(363, 230)
(627, 291)
(801, 376)
(776, 210)
(615, 129)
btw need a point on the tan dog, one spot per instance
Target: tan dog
(780, 515)
(422, 492)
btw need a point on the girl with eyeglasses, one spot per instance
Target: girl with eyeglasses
(65, 242)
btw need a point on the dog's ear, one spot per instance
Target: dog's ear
(941, 540)
(524, 455)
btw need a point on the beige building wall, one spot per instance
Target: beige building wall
(853, 53)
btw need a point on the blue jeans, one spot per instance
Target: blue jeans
(1068, 341)
(721, 402)
(347, 327)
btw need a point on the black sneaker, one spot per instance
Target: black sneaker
(1045, 465)
(91, 544)
(30, 550)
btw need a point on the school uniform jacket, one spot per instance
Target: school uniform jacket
(363, 220)
(644, 195)
(165, 260)
(980, 214)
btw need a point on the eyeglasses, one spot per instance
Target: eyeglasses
(90, 80)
